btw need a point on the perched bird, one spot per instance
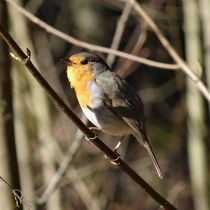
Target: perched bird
(107, 100)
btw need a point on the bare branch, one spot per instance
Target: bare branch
(62, 168)
(126, 67)
(119, 31)
(170, 49)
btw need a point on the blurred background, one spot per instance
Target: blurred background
(37, 138)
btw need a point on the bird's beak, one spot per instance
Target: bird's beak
(66, 61)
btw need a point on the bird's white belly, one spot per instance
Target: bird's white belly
(91, 116)
(107, 121)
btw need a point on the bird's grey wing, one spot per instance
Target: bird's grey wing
(121, 99)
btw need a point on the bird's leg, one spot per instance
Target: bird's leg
(114, 161)
(118, 144)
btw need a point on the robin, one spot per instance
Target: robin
(107, 100)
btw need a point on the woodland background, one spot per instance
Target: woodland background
(36, 137)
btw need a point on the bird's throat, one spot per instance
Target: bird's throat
(79, 80)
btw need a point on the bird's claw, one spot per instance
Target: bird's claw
(115, 160)
(95, 130)
(90, 138)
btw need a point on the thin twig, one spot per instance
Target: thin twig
(119, 31)
(170, 49)
(25, 59)
(125, 68)
(3, 180)
(89, 46)
(62, 168)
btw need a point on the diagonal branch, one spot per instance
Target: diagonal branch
(25, 59)
(172, 52)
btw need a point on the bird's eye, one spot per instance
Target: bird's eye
(84, 62)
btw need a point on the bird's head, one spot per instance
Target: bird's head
(84, 66)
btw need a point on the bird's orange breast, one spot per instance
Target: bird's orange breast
(79, 79)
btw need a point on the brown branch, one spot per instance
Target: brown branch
(25, 59)
(172, 52)
(89, 46)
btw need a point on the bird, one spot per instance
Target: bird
(107, 100)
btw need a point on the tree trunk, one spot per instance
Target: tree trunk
(196, 147)
(9, 164)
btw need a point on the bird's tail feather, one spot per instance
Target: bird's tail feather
(153, 158)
